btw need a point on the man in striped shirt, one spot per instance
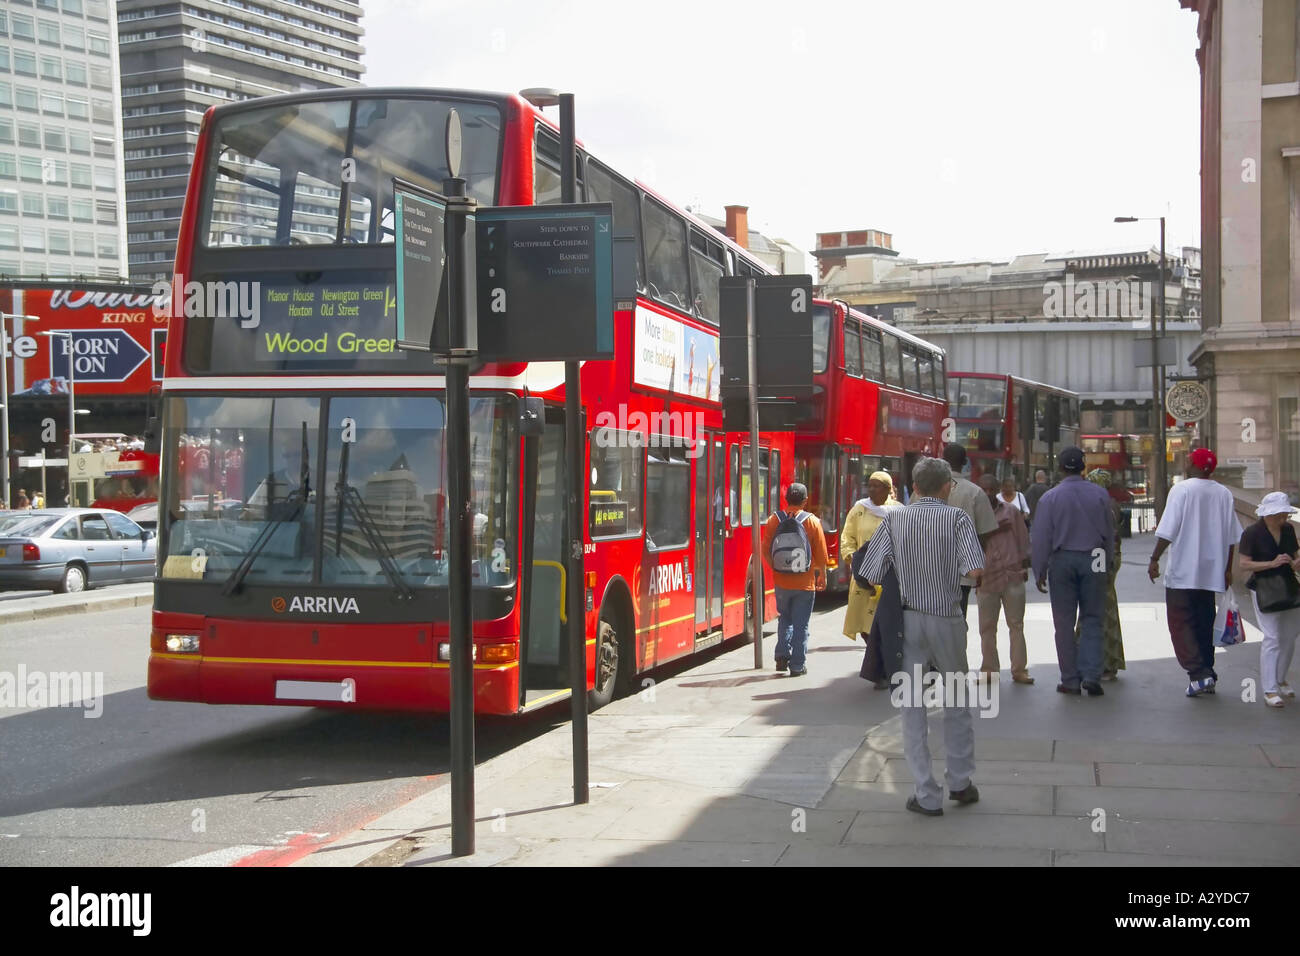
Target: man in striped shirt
(931, 546)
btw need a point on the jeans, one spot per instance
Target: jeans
(794, 611)
(1078, 595)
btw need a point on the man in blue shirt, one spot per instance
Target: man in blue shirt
(1072, 539)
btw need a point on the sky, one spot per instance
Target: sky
(967, 130)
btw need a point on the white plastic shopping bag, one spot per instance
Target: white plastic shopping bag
(1228, 629)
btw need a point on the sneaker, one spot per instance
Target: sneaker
(1209, 685)
(1286, 690)
(782, 664)
(915, 806)
(1066, 689)
(1198, 687)
(1273, 700)
(1093, 688)
(798, 671)
(970, 795)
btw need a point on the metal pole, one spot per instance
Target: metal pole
(72, 411)
(460, 617)
(755, 524)
(576, 470)
(1162, 489)
(4, 412)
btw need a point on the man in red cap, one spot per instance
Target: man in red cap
(1200, 529)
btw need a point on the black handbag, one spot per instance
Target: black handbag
(1277, 592)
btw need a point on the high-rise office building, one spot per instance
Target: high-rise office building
(61, 183)
(178, 59)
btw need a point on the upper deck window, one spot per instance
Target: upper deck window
(821, 325)
(321, 173)
(983, 398)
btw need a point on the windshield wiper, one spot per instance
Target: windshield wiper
(297, 498)
(350, 498)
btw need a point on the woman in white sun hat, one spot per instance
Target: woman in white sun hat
(1269, 549)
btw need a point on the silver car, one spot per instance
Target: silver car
(72, 549)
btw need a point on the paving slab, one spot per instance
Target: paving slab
(956, 828)
(1095, 858)
(1155, 803)
(891, 795)
(1141, 752)
(1003, 771)
(914, 855)
(1199, 778)
(1272, 843)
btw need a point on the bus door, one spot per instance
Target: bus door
(710, 530)
(543, 649)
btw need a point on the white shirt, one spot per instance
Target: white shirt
(1200, 526)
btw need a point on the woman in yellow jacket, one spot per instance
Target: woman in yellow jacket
(862, 521)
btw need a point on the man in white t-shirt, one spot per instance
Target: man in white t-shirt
(1201, 530)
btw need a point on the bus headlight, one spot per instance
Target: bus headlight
(182, 643)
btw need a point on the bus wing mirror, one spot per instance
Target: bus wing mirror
(153, 436)
(532, 420)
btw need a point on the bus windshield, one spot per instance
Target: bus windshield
(303, 173)
(347, 491)
(982, 398)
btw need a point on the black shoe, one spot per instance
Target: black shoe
(798, 671)
(1064, 689)
(969, 795)
(1093, 688)
(782, 664)
(915, 807)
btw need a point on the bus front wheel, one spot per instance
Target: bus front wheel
(607, 660)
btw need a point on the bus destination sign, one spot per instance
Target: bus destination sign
(325, 322)
(546, 282)
(608, 517)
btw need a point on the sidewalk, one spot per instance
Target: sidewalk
(42, 605)
(726, 765)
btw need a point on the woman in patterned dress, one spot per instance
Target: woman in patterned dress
(1112, 642)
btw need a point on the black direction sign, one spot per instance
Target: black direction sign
(421, 258)
(783, 322)
(545, 282)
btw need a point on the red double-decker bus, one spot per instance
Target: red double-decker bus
(1011, 426)
(304, 508)
(1121, 455)
(878, 404)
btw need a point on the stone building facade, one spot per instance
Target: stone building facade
(1249, 354)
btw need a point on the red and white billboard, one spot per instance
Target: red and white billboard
(117, 341)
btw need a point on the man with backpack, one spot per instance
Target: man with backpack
(795, 549)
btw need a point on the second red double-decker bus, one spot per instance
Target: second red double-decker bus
(1121, 455)
(302, 522)
(1011, 426)
(878, 404)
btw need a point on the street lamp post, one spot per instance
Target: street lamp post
(5, 350)
(1157, 376)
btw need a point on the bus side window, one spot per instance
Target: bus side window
(852, 356)
(605, 186)
(871, 357)
(893, 363)
(667, 272)
(707, 267)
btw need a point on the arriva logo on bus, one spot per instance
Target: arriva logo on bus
(315, 605)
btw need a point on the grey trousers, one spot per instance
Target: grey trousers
(939, 641)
